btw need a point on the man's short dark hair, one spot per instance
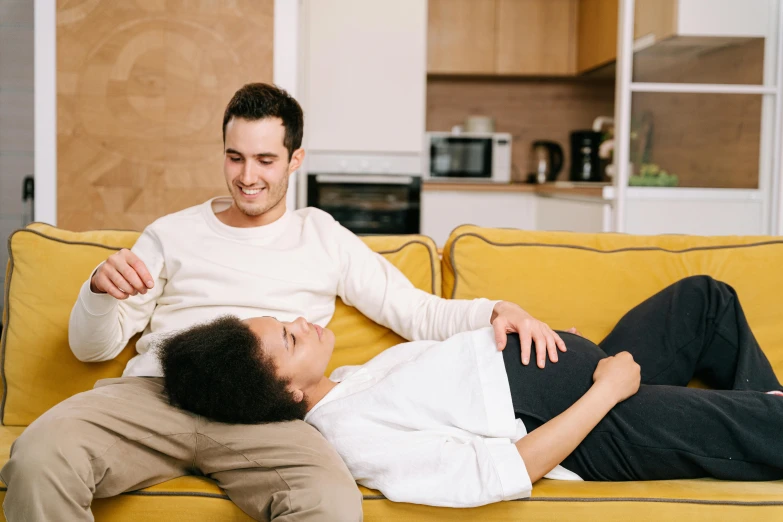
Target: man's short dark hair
(220, 371)
(256, 101)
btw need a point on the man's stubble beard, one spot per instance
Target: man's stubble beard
(276, 194)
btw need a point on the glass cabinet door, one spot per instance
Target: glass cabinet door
(700, 105)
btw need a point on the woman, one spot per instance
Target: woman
(456, 423)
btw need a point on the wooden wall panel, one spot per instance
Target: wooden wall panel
(529, 110)
(141, 90)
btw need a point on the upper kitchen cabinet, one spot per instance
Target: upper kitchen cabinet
(502, 37)
(536, 37)
(461, 37)
(670, 33)
(701, 41)
(596, 34)
(364, 87)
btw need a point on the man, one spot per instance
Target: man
(248, 256)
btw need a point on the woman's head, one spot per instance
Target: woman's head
(253, 371)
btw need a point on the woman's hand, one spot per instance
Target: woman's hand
(615, 379)
(620, 375)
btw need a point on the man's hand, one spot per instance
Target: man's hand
(121, 276)
(508, 317)
(574, 331)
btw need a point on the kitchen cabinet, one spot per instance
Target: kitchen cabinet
(364, 68)
(502, 37)
(570, 214)
(596, 34)
(686, 26)
(444, 210)
(656, 18)
(656, 211)
(536, 37)
(461, 37)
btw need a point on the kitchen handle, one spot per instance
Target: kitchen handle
(377, 180)
(557, 160)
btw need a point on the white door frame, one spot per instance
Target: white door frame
(45, 111)
(286, 64)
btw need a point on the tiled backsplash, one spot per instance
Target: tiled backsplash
(529, 109)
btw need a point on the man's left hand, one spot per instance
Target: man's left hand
(509, 317)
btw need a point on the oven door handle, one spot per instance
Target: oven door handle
(373, 179)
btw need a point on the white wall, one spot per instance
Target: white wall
(16, 116)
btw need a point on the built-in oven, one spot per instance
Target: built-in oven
(368, 203)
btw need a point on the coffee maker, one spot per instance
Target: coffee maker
(585, 162)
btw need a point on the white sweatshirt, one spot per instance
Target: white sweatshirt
(430, 423)
(293, 267)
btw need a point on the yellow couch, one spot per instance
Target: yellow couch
(583, 280)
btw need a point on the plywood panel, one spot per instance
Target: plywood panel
(529, 110)
(596, 34)
(141, 90)
(461, 37)
(655, 17)
(536, 37)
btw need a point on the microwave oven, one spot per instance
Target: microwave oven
(468, 156)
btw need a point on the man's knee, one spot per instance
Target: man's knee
(333, 496)
(47, 449)
(345, 500)
(705, 286)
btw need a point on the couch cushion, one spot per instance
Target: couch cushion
(38, 368)
(197, 498)
(47, 266)
(591, 280)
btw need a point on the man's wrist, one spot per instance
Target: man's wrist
(496, 311)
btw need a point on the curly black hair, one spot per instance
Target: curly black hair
(256, 101)
(219, 370)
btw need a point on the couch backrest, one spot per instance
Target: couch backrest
(591, 280)
(47, 267)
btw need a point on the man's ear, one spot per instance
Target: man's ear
(296, 161)
(298, 395)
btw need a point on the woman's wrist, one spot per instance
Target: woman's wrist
(607, 393)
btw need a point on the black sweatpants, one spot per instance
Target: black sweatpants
(695, 327)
